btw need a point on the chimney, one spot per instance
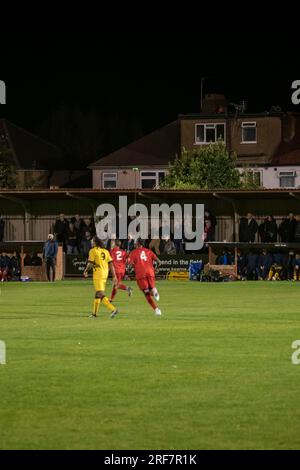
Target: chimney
(214, 104)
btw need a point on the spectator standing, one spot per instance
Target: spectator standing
(209, 216)
(90, 226)
(291, 228)
(169, 247)
(60, 228)
(86, 244)
(283, 230)
(297, 230)
(72, 240)
(252, 227)
(268, 230)
(209, 232)
(49, 255)
(2, 226)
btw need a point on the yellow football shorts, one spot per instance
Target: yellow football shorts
(99, 284)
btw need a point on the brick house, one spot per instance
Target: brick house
(268, 143)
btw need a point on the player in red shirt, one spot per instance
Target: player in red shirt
(119, 258)
(142, 260)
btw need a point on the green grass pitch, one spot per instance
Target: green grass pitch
(214, 372)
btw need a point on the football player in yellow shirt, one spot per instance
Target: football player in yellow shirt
(101, 262)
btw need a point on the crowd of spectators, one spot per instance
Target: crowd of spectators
(263, 265)
(268, 231)
(10, 266)
(75, 234)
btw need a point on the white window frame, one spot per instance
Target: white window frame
(209, 125)
(251, 124)
(286, 174)
(155, 176)
(260, 172)
(109, 176)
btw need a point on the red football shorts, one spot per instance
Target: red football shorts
(120, 275)
(147, 282)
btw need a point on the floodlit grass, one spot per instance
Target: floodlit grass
(214, 372)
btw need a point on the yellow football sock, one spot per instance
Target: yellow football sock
(107, 304)
(96, 306)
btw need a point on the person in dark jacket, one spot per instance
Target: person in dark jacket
(241, 265)
(209, 231)
(36, 260)
(252, 228)
(72, 240)
(60, 228)
(90, 226)
(49, 255)
(296, 270)
(2, 226)
(297, 230)
(288, 265)
(252, 266)
(209, 216)
(4, 267)
(15, 266)
(291, 228)
(268, 230)
(283, 230)
(128, 244)
(86, 244)
(265, 261)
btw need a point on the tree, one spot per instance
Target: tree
(250, 179)
(8, 172)
(209, 167)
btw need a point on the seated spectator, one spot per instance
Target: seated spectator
(296, 271)
(264, 264)
(4, 267)
(289, 265)
(27, 260)
(252, 266)
(15, 266)
(86, 244)
(276, 268)
(36, 260)
(225, 258)
(72, 241)
(241, 265)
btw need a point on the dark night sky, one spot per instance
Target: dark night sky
(152, 82)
